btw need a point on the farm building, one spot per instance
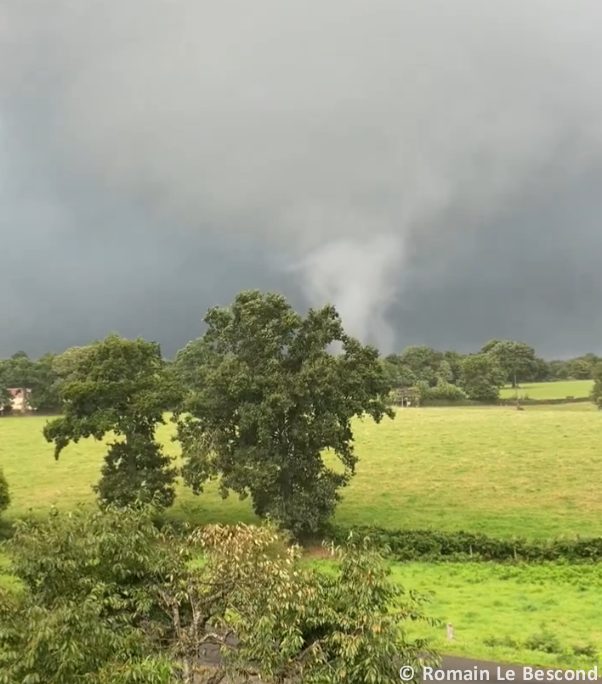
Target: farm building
(406, 397)
(19, 399)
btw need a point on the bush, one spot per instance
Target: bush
(433, 545)
(443, 392)
(4, 495)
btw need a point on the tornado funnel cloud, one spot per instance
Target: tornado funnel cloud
(432, 169)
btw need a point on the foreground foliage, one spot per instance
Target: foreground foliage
(270, 398)
(85, 585)
(108, 597)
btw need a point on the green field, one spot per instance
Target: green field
(494, 470)
(576, 389)
(497, 470)
(540, 615)
(503, 613)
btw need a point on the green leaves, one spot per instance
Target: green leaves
(4, 493)
(121, 387)
(482, 377)
(423, 362)
(516, 359)
(596, 393)
(425, 369)
(108, 599)
(297, 623)
(269, 398)
(88, 580)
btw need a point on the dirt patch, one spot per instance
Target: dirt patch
(316, 552)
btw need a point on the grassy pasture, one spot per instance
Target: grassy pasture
(495, 470)
(550, 390)
(514, 613)
(501, 471)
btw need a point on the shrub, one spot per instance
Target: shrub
(545, 642)
(434, 545)
(4, 494)
(443, 392)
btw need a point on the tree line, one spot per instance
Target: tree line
(444, 375)
(254, 403)
(479, 376)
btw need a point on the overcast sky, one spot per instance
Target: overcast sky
(433, 168)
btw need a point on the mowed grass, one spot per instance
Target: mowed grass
(550, 390)
(495, 470)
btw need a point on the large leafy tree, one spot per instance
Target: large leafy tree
(424, 363)
(541, 371)
(454, 359)
(120, 386)
(65, 365)
(400, 376)
(185, 366)
(582, 367)
(481, 377)
(445, 374)
(516, 359)
(274, 397)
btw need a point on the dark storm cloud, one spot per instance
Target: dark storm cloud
(434, 168)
